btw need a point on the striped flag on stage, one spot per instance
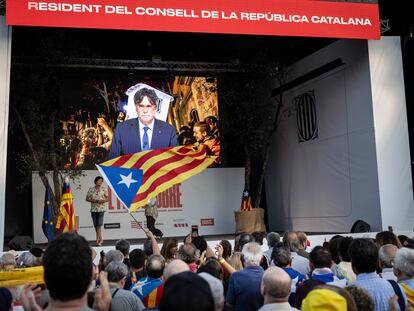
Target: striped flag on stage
(66, 219)
(138, 177)
(246, 203)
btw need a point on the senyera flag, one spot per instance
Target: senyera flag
(138, 177)
(66, 218)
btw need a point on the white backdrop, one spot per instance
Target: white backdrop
(358, 167)
(208, 200)
(5, 57)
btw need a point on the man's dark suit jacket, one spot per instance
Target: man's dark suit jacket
(126, 139)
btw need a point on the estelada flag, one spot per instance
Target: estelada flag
(138, 177)
(246, 204)
(66, 218)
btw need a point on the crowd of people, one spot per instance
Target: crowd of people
(344, 273)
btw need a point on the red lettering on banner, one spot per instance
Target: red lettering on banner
(261, 17)
(170, 198)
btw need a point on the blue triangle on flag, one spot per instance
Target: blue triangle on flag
(125, 182)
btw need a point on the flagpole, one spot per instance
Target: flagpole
(137, 223)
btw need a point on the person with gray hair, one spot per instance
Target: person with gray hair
(299, 263)
(272, 239)
(27, 260)
(174, 267)
(275, 288)
(243, 292)
(216, 290)
(404, 270)
(113, 255)
(7, 261)
(122, 300)
(386, 256)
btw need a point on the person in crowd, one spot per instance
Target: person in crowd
(258, 237)
(364, 260)
(324, 299)
(227, 251)
(216, 287)
(320, 260)
(350, 302)
(275, 288)
(150, 288)
(122, 300)
(202, 135)
(27, 260)
(187, 291)
(187, 253)
(281, 258)
(387, 237)
(299, 263)
(113, 255)
(344, 268)
(67, 274)
(406, 241)
(333, 247)
(244, 286)
(6, 299)
(169, 249)
(174, 267)
(361, 297)
(386, 256)
(104, 133)
(123, 246)
(212, 266)
(303, 244)
(272, 239)
(137, 271)
(8, 261)
(98, 197)
(404, 270)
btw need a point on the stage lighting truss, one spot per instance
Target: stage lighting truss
(136, 65)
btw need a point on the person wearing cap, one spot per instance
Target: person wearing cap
(324, 299)
(275, 288)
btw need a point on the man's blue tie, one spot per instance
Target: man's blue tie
(145, 142)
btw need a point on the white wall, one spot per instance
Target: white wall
(5, 56)
(391, 133)
(326, 184)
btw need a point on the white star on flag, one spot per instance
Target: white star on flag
(127, 180)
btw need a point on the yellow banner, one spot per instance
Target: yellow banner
(23, 276)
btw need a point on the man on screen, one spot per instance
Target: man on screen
(145, 132)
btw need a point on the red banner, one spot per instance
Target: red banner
(258, 17)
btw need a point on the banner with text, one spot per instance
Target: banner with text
(262, 17)
(207, 200)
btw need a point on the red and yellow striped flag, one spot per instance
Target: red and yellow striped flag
(138, 177)
(66, 218)
(246, 203)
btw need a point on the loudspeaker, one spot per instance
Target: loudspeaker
(21, 243)
(360, 226)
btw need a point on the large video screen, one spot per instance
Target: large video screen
(106, 117)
